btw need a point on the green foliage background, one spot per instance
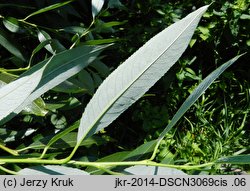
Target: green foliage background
(217, 125)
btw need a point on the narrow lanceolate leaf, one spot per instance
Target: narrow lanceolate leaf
(49, 8)
(239, 159)
(67, 141)
(199, 90)
(15, 96)
(37, 107)
(11, 46)
(137, 74)
(15, 93)
(54, 46)
(12, 24)
(96, 7)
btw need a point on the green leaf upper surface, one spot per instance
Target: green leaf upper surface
(69, 86)
(115, 157)
(239, 159)
(12, 25)
(199, 90)
(11, 46)
(49, 8)
(37, 107)
(43, 77)
(67, 141)
(54, 47)
(137, 74)
(139, 153)
(16, 92)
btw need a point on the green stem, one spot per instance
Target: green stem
(58, 136)
(102, 165)
(11, 151)
(83, 34)
(44, 152)
(2, 70)
(31, 160)
(37, 26)
(7, 170)
(28, 23)
(155, 150)
(67, 159)
(143, 162)
(15, 70)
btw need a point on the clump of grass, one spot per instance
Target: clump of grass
(214, 127)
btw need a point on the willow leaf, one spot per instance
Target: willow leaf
(199, 90)
(96, 7)
(239, 159)
(137, 74)
(49, 8)
(10, 45)
(15, 93)
(43, 77)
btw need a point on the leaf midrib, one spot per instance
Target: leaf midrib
(130, 84)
